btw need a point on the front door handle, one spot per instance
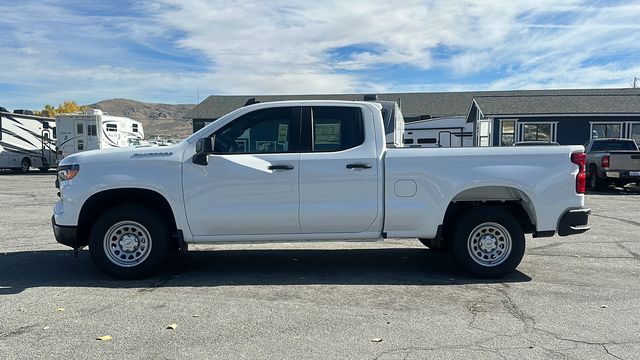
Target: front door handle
(280, 167)
(358, 166)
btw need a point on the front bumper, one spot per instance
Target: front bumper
(66, 235)
(574, 221)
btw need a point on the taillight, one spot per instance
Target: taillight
(580, 159)
(605, 161)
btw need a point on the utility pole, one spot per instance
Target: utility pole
(635, 82)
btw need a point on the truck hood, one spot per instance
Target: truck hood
(125, 153)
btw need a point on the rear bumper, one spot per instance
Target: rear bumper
(574, 221)
(622, 174)
(65, 235)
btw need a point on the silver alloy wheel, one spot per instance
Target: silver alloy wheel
(127, 243)
(489, 244)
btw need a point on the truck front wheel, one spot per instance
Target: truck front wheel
(129, 241)
(488, 242)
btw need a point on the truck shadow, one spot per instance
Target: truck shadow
(29, 173)
(616, 190)
(23, 270)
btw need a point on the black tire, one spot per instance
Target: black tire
(595, 183)
(435, 246)
(25, 164)
(129, 241)
(498, 232)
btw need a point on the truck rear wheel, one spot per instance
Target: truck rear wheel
(129, 241)
(488, 242)
(595, 183)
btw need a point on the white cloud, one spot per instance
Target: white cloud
(167, 50)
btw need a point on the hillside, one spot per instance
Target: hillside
(164, 120)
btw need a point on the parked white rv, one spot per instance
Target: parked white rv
(27, 141)
(93, 129)
(439, 132)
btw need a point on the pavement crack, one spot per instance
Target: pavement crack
(604, 346)
(626, 221)
(633, 253)
(473, 310)
(17, 332)
(510, 305)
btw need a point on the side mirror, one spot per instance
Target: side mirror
(204, 147)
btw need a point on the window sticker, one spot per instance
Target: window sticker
(265, 146)
(326, 134)
(283, 131)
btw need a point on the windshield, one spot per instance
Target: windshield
(609, 145)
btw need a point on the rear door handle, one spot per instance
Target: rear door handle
(358, 166)
(280, 167)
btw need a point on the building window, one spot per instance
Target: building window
(135, 128)
(427, 141)
(537, 131)
(634, 132)
(408, 141)
(484, 132)
(606, 130)
(80, 129)
(80, 145)
(112, 127)
(507, 132)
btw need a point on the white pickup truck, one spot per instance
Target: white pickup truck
(310, 171)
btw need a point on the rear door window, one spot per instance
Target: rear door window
(336, 128)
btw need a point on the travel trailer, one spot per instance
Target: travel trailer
(439, 132)
(93, 129)
(27, 141)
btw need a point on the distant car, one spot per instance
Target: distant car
(535, 143)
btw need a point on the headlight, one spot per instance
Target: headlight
(68, 172)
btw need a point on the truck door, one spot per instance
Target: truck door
(250, 184)
(338, 171)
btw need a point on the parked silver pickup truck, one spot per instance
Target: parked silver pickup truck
(612, 161)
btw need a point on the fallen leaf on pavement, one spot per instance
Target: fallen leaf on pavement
(60, 309)
(376, 340)
(172, 327)
(603, 306)
(104, 338)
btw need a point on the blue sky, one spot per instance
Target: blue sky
(172, 50)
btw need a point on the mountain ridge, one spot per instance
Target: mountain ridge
(158, 119)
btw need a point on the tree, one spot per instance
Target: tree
(68, 106)
(49, 111)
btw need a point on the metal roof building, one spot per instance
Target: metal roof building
(569, 116)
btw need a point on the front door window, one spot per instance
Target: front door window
(259, 132)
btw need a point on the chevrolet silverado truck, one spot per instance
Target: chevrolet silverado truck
(315, 171)
(612, 161)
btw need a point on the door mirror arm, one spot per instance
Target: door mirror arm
(204, 147)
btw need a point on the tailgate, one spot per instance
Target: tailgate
(625, 160)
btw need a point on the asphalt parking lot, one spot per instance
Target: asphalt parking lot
(572, 298)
